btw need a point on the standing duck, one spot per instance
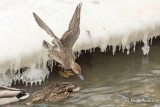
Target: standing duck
(62, 49)
(10, 95)
(55, 92)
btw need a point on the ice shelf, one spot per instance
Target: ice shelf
(103, 23)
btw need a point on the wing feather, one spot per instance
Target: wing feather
(42, 24)
(71, 35)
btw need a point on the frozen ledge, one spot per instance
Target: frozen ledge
(103, 23)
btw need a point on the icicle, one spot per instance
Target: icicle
(113, 49)
(146, 47)
(134, 46)
(39, 82)
(128, 47)
(26, 83)
(23, 81)
(103, 48)
(45, 59)
(127, 51)
(123, 48)
(18, 74)
(79, 53)
(31, 83)
(50, 64)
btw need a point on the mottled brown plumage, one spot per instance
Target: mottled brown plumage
(55, 92)
(62, 49)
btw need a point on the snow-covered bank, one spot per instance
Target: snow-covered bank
(103, 23)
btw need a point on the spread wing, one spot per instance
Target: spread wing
(71, 35)
(56, 40)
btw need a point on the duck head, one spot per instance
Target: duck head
(22, 95)
(71, 87)
(77, 69)
(37, 96)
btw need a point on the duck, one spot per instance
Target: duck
(55, 92)
(61, 51)
(10, 95)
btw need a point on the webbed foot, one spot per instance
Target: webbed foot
(66, 74)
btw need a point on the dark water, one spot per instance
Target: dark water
(111, 80)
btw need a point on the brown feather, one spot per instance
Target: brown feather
(71, 35)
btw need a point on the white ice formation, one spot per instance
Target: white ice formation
(29, 75)
(103, 23)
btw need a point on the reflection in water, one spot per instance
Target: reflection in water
(111, 80)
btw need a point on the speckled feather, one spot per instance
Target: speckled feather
(71, 35)
(56, 92)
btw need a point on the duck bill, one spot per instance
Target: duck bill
(77, 89)
(81, 77)
(25, 95)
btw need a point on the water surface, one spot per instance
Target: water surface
(110, 80)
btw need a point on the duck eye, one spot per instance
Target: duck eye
(70, 89)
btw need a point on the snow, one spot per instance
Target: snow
(103, 23)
